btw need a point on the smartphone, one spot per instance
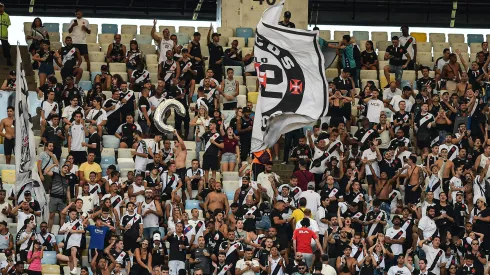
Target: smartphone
(75, 21)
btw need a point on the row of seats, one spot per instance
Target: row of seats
(436, 47)
(419, 36)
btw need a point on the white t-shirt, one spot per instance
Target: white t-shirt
(21, 217)
(397, 249)
(389, 94)
(457, 184)
(154, 101)
(23, 235)
(374, 109)
(165, 45)
(140, 162)
(88, 202)
(77, 133)
(431, 255)
(241, 265)
(48, 107)
(69, 110)
(77, 35)
(313, 201)
(93, 113)
(371, 156)
(396, 100)
(395, 270)
(403, 40)
(428, 226)
(75, 238)
(440, 63)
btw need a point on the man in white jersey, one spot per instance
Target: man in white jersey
(164, 44)
(73, 231)
(150, 210)
(48, 108)
(76, 135)
(79, 28)
(141, 153)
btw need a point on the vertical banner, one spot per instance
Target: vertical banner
(25, 149)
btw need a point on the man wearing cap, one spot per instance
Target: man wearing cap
(195, 55)
(286, 22)
(395, 53)
(468, 268)
(71, 60)
(164, 44)
(4, 35)
(215, 54)
(312, 198)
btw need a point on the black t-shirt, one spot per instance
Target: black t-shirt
(276, 213)
(57, 88)
(288, 24)
(215, 53)
(143, 102)
(212, 150)
(73, 180)
(342, 84)
(481, 226)
(213, 241)
(369, 57)
(397, 54)
(94, 138)
(422, 82)
(51, 135)
(177, 254)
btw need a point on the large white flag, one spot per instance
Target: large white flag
(25, 149)
(291, 72)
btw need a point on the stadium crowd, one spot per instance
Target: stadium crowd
(405, 193)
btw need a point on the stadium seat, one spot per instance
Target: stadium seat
(437, 37)
(425, 58)
(151, 59)
(380, 36)
(8, 166)
(419, 36)
(408, 75)
(250, 80)
(242, 100)
(242, 90)
(94, 73)
(230, 176)
(231, 186)
(108, 160)
(439, 47)
(466, 57)
(332, 73)
(245, 33)
(474, 38)
(85, 85)
(110, 141)
(110, 28)
(226, 32)
(239, 79)
(146, 29)
(96, 66)
(2, 149)
(251, 42)
(171, 29)
(66, 269)
(362, 44)
(93, 47)
(382, 45)
(189, 204)
(147, 49)
(94, 29)
(204, 31)
(424, 46)
(56, 45)
(190, 30)
(129, 29)
(97, 57)
(124, 172)
(143, 39)
(360, 35)
(52, 27)
(381, 54)
(8, 176)
(455, 38)
(27, 27)
(92, 38)
(337, 35)
(230, 195)
(126, 39)
(106, 38)
(127, 163)
(49, 258)
(51, 269)
(247, 50)
(475, 48)
(182, 38)
(325, 34)
(462, 47)
(117, 67)
(252, 97)
(124, 153)
(394, 34)
(108, 152)
(250, 89)
(54, 37)
(368, 74)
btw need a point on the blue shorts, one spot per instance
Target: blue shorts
(398, 70)
(264, 223)
(228, 157)
(46, 69)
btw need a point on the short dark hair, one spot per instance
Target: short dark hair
(230, 69)
(11, 108)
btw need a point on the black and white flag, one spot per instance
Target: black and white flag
(291, 72)
(25, 150)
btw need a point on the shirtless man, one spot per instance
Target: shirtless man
(180, 153)
(413, 174)
(451, 72)
(7, 124)
(481, 160)
(446, 169)
(216, 200)
(463, 86)
(345, 263)
(385, 186)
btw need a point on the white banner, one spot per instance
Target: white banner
(25, 149)
(291, 71)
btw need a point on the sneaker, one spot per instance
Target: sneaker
(276, 158)
(74, 271)
(284, 163)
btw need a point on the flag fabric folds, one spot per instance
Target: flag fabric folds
(25, 149)
(291, 72)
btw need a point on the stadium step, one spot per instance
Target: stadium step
(4, 69)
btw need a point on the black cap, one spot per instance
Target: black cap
(246, 178)
(287, 14)
(12, 72)
(246, 110)
(197, 34)
(419, 96)
(216, 34)
(185, 50)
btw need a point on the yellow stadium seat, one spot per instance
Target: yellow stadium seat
(439, 47)
(54, 37)
(151, 59)
(331, 73)
(126, 39)
(171, 29)
(145, 29)
(251, 42)
(97, 56)
(104, 48)
(94, 28)
(455, 38)
(27, 27)
(419, 36)
(408, 75)
(475, 47)
(106, 38)
(381, 55)
(8, 176)
(93, 47)
(226, 31)
(384, 82)
(369, 74)
(147, 49)
(117, 67)
(325, 34)
(204, 31)
(462, 47)
(92, 37)
(129, 29)
(425, 59)
(424, 46)
(238, 78)
(380, 36)
(190, 30)
(437, 37)
(252, 97)
(337, 35)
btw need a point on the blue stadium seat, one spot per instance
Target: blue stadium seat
(52, 27)
(6, 166)
(308, 127)
(110, 141)
(60, 238)
(360, 35)
(2, 149)
(182, 38)
(108, 160)
(245, 33)
(230, 195)
(66, 27)
(194, 97)
(109, 28)
(85, 85)
(189, 204)
(93, 75)
(475, 38)
(49, 257)
(237, 70)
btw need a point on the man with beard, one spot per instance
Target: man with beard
(319, 157)
(169, 69)
(70, 66)
(51, 85)
(396, 237)
(461, 160)
(427, 227)
(151, 211)
(193, 178)
(376, 219)
(116, 249)
(112, 107)
(71, 91)
(200, 257)
(481, 220)
(213, 238)
(345, 263)
(233, 250)
(127, 99)
(132, 226)
(247, 265)
(249, 213)
(282, 226)
(426, 80)
(244, 191)
(47, 239)
(216, 200)
(302, 151)
(262, 255)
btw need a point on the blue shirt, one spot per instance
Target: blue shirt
(348, 60)
(97, 236)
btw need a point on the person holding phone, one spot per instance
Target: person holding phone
(79, 28)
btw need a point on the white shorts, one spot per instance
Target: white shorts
(175, 266)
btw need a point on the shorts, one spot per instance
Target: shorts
(210, 162)
(130, 243)
(56, 204)
(264, 223)
(181, 172)
(79, 157)
(66, 72)
(398, 70)
(8, 146)
(195, 184)
(67, 252)
(82, 48)
(228, 157)
(230, 106)
(46, 69)
(130, 67)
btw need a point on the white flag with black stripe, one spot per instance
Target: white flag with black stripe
(25, 149)
(291, 72)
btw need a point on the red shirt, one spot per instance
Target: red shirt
(304, 176)
(303, 237)
(230, 145)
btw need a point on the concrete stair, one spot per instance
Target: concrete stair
(4, 69)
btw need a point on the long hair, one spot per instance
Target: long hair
(33, 26)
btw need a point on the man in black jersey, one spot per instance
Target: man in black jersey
(196, 56)
(140, 76)
(55, 134)
(287, 20)
(71, 91)
(213, 143)
(71, 61)
(51, 85)
(180, 92)
(215, 54)
(169, 70)
(426, 80)
(113, 112)
(144, 112)
(125, 132)
(116, 52)
(244, 128)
